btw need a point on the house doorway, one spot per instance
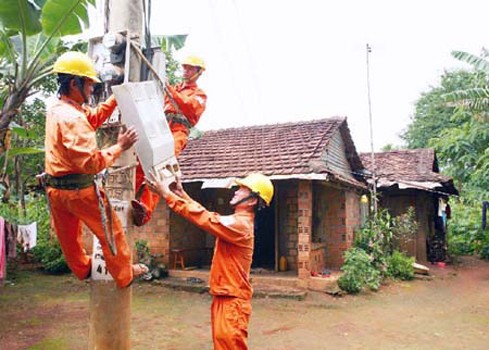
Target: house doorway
(264, 253)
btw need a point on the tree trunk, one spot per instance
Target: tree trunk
(9, 112)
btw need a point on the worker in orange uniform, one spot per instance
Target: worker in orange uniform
(72, 160)
(230, 270)
(184, 105)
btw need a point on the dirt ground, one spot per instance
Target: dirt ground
(450, 311)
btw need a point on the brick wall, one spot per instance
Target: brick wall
(315, 232)
(286, 192)
(337, 216)
(335, 224)
(304, 224)
(156, 232)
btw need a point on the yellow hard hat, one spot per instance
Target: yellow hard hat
(259, 184)
(76, 63)
(194, 61)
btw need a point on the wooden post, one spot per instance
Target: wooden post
(110, 306)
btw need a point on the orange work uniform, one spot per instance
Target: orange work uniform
(71, 148)
(230, 270)
(191, 101)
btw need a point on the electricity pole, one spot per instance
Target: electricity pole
(110, 306)
(372, 157)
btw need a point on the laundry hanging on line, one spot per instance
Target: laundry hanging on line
(27, 236)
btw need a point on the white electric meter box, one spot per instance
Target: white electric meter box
(141, 106)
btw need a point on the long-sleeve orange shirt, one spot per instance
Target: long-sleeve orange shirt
(70, 145)
(233, 252)
(191, 101)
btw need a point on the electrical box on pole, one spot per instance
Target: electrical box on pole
(142, 107)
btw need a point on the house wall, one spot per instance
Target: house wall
(287, 201)
(397, 202)
(316, 224)
(425, 214)
(304, 224)
(336, 217)
(353, 220)
(197, 244)
(335, 156)
(155, 232)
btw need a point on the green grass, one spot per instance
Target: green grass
(50, 344)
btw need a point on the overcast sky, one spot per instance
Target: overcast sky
(274, 61)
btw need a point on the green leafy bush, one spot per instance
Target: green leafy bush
(375, 238)
(404, 228)
(358, 272)
(465, 235)
(400, 266)
(47, 250)
(156, 269)
(48, 253)
(376, 255)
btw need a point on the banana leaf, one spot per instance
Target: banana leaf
(21, 16)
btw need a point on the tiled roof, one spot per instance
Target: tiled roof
(274, 150)
(408, 166)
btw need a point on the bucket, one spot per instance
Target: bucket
(282, 264)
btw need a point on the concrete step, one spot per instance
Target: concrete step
(200, 285)
(265, 285)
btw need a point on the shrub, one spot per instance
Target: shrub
(48, 253)
(156, 270)
(358, 272)
(400, 266)
(376, 238)
(404, 228)
(465, 235)
(47, 250)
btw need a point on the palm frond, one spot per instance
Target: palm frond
(479, 63)
(472, 94)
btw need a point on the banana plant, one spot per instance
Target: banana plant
(477, 98)
(169, 44)
(29, 42)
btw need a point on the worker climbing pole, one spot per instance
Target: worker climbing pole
(110, 306)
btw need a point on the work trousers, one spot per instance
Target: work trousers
(145, 196)
(230, 317)
(69, 208)
(180, 139)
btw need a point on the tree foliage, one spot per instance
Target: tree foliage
(475, 98)
(29, 42)
(453, 118)
(432, 112)
(459, 136)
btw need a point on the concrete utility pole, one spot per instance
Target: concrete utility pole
(110, 307)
